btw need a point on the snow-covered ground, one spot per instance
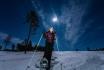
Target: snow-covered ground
(67, 60)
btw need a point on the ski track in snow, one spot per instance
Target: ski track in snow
(69, 60)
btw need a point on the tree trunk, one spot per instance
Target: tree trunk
(28, 38)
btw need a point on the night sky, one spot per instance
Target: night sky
(80, 23)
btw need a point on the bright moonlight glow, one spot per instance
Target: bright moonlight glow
(55, 19)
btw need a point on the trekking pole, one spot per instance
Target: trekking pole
(57, 44)
(28, 66)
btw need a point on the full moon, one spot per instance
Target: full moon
(55, 19)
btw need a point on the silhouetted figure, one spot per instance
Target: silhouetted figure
(13, 47)
(49, 38)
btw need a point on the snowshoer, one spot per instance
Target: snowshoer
(49, 43)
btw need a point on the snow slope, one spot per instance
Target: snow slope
(68, 60)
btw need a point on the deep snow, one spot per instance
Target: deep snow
(66, 60)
